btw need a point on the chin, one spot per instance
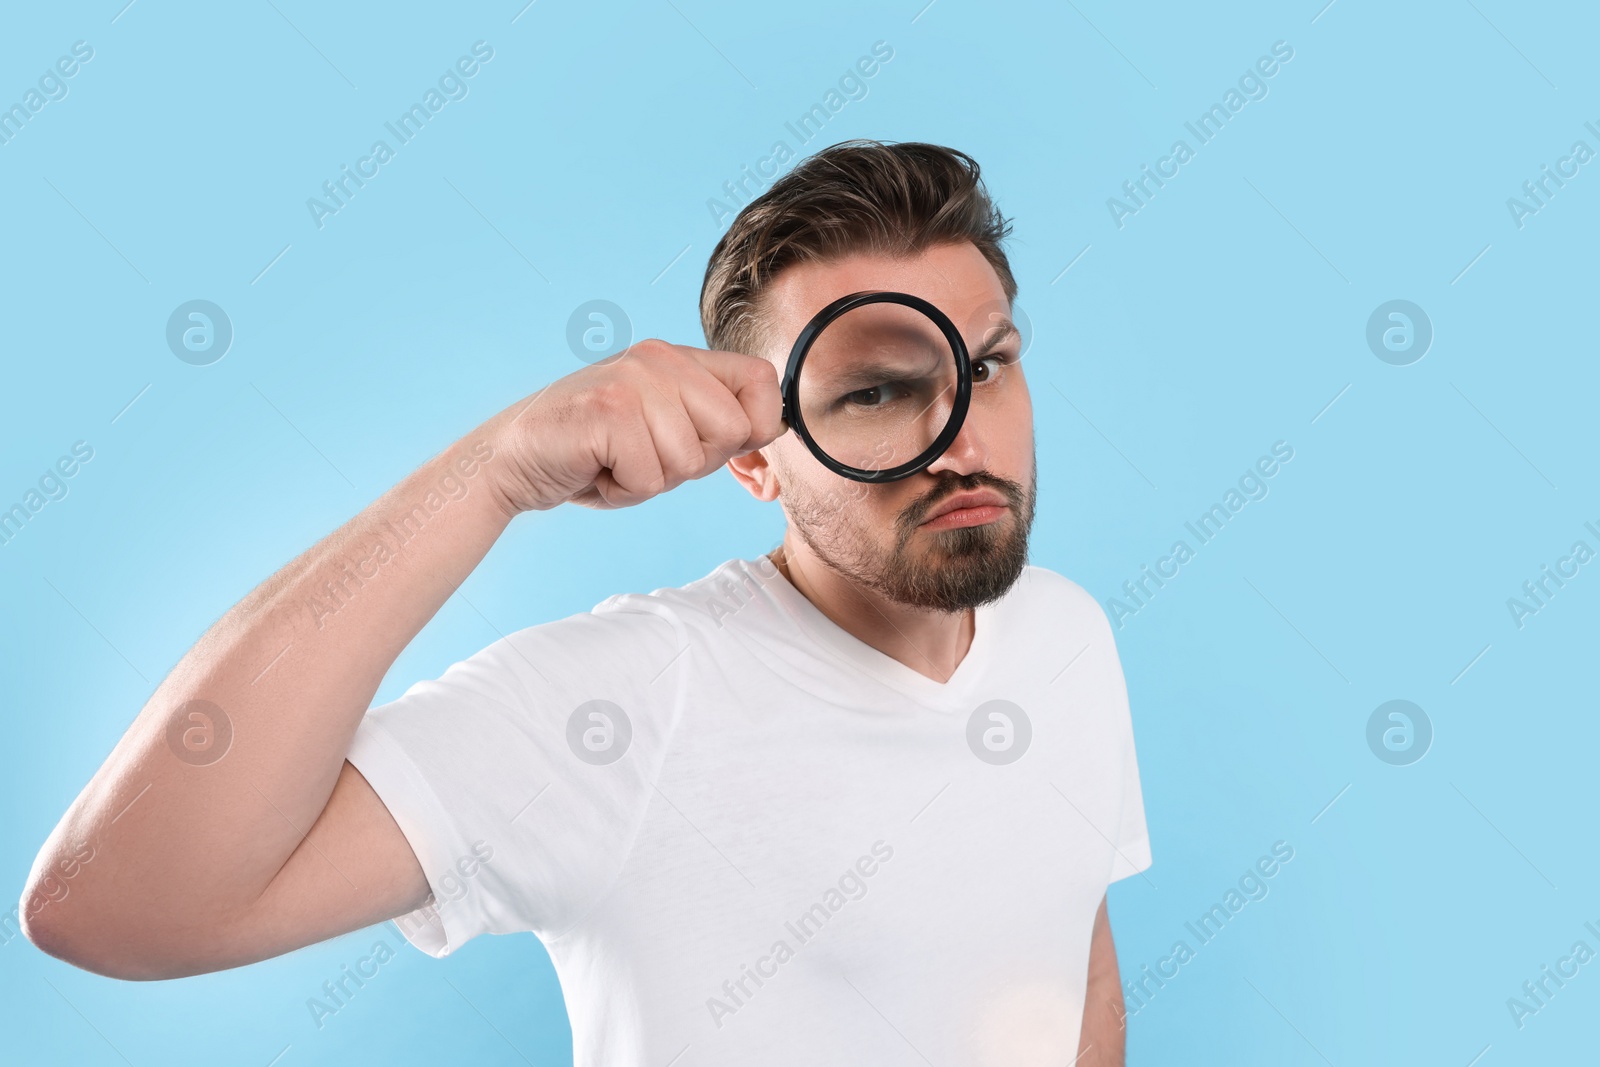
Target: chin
(960, 568)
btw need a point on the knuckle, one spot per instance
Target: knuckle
(683, 457)
(764, 371)
(732, 431)
(610, 397)
(651, 348)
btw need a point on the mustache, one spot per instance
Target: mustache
(959, 483)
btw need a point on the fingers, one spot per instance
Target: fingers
(653, 444)
(632, 471)
(754, 383)
(684, 444)
(676, 414)
(719, 421)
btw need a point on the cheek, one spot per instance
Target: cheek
(1006, 423)
(1010, 439)
(788, 457)
(858, 512)
(1019, 423)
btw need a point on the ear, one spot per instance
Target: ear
(755, 472)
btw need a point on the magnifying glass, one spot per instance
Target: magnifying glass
(877, 385)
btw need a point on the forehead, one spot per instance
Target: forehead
(955, 278)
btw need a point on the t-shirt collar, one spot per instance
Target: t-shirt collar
(881, 666)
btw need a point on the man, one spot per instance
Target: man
(857, 801)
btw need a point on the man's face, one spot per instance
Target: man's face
(884, 537)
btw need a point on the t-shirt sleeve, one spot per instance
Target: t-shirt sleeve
(1132, 839)
(520, 775)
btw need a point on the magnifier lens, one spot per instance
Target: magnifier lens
(878, 386)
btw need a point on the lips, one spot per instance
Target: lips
(976, 499)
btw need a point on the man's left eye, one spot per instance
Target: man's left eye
(998, 361)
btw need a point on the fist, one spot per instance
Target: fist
(619, 432)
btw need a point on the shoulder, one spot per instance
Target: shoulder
(1062, 625)
(1048, 615)
(707, 601)
(703, 596)
(645, 625)
(1042, 591)
(651, 626)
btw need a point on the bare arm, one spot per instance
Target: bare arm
(195, 821)
(1102, 1040)
(226, 825)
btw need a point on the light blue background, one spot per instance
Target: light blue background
(1223, 317)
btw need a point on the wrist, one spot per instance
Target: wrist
(470, 471)
(512, 471)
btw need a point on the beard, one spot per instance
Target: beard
(950, 570)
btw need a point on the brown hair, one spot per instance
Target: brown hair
(855, 196)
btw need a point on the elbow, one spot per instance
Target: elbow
(57, 939)
(52, 931)
(35, 923)
(48, 934)
(110, 923)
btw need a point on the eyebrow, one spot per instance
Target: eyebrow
(865, 375)
(998, 335)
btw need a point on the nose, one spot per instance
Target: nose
(968, 452)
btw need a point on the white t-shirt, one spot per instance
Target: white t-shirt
(746, 836)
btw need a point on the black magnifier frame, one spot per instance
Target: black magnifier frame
(808, 336)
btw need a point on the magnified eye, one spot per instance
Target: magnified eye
(876, 384)
(873, 396)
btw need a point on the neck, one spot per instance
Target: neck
(931, 643)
